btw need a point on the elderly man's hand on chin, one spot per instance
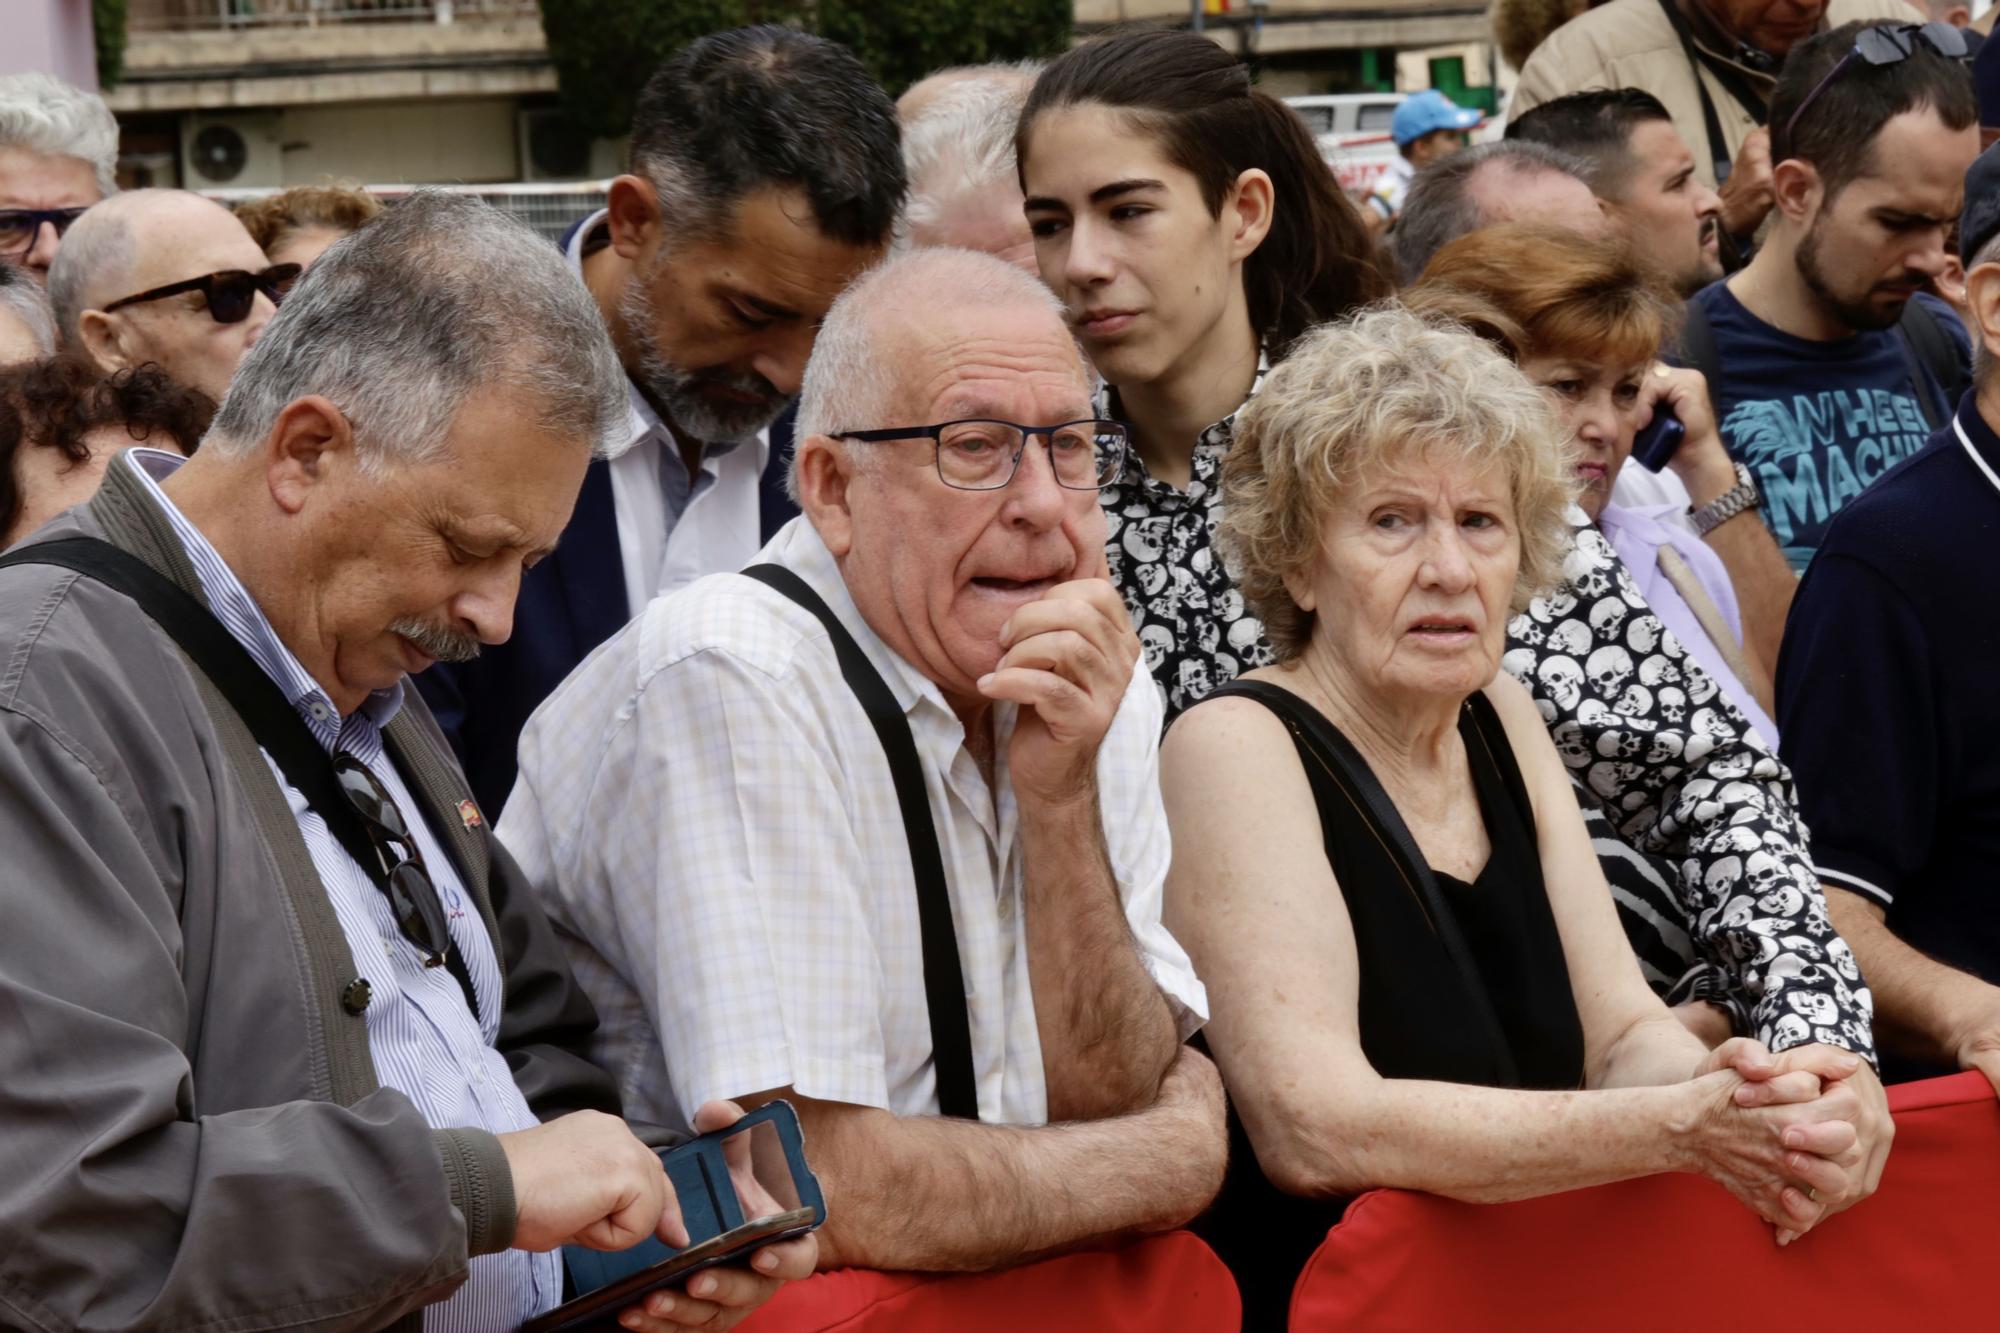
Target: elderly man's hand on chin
(1851, 1092)
(1068, 659)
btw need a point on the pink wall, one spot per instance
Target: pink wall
(52, 36)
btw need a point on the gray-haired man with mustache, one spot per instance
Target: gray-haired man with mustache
(287, 1040)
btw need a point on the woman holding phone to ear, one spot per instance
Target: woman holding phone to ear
(1582, 317)
(1193, 232)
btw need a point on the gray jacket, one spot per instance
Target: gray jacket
(191, 1134)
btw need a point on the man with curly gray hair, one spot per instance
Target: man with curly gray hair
(58, 156)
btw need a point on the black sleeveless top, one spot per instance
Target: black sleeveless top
(1460, 983)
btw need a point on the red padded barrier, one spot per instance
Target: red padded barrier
(1678, 1252)
(1164, 1284)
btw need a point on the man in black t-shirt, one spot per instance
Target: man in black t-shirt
(1821, 379)
(1891, 719)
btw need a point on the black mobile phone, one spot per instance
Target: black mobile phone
(723, 1223)
(1656, 441)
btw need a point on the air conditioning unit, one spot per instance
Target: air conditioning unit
(554, 149)
(233, 151)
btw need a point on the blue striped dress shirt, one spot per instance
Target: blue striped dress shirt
(426, 1043)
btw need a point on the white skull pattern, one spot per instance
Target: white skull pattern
(1563, 679)
(1608, 668)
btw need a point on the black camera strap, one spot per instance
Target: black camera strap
(277, 727)
(1732, 81)
(944, 980)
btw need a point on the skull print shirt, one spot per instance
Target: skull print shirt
(1694, 818)
(1193, 624)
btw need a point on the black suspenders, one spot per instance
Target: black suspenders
(944, 981)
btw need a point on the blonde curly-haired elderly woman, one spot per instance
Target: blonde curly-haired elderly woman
(1416, 975)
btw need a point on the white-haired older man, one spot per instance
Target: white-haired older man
(958, 152)
(58, 156)
(712, 812)
(283, 1025)
(167, 277)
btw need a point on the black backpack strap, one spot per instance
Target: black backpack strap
(1697, 345)
(944, 980)
(256, 698)
(1360, 784)
(1932, 358)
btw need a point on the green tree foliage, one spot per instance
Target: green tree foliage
(604, 50)
(902, 40)
(107, 22)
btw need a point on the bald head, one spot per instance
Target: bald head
(958, 153)
(1513, 180)
(1017, 76)
(882, 329)
(1507, 191)
(139, 241)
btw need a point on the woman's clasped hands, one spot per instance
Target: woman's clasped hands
(1796, 1136)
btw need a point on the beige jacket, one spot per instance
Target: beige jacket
(1630, 44)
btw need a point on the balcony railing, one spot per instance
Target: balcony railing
(226, 15)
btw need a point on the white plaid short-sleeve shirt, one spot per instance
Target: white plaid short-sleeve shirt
(711, 824)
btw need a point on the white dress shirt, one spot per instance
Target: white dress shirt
(711, 824)
(426, 1043)
(710, 522)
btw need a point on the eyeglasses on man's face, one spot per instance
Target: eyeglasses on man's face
(980, 454)
(230, 294)
(20, 226)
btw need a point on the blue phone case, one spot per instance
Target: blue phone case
(700, 1175)
(1658, 439)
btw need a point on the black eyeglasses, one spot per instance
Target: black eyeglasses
(1885, 45)
(20, 226)
(413, 897)
(230, 293)
(976, 454)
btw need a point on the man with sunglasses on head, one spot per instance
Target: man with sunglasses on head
(1826, 361)
(875, 825)
(288, 1043)
(167, 277)
(1712, 63)
(58, 156)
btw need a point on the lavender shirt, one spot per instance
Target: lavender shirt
(1637, 535)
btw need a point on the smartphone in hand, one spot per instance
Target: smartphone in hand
(739, 1189)
(1657, 440)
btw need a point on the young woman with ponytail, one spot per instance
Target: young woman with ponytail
(1193, 231)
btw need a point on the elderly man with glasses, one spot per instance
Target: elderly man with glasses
(287, 1042)
(875, 824)
(168, 277)
(58, 156)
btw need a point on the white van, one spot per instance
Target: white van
(1352, 130)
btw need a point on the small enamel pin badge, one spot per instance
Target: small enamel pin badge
(468, 815)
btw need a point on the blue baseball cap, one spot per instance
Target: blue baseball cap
(1425, 112)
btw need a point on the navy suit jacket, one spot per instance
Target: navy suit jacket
(569, 604)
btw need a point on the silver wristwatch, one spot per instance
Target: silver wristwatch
(1743, 495)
